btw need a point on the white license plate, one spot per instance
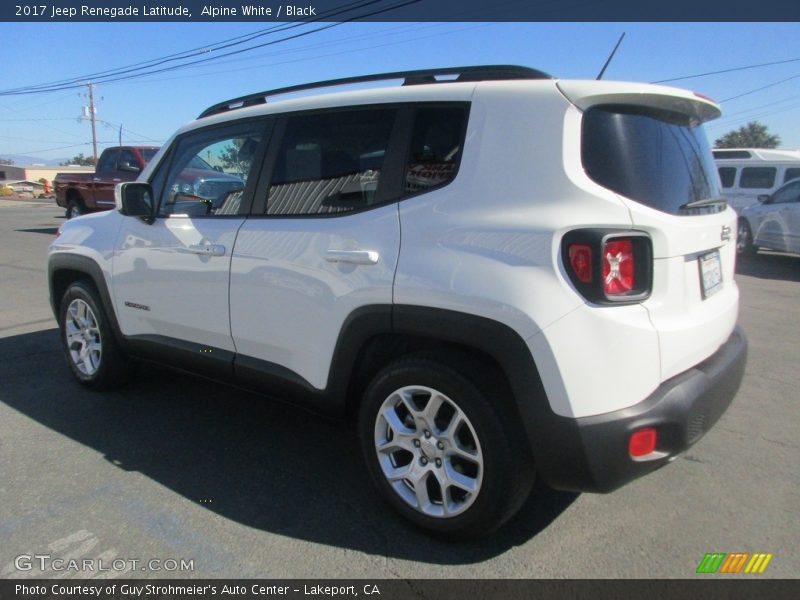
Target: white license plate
(710, 273)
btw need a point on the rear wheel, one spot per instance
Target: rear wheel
(91, 350)
(440, 451)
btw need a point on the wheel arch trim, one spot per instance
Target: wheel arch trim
(73, 263)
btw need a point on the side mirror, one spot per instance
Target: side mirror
(135, 200)
(764, 198)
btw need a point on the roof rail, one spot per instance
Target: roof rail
(475, 73)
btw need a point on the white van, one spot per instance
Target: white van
(747, 173)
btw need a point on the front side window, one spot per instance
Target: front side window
(330, 162)
(757, 177)
(657, 158)
(788, 193)
(210, 170)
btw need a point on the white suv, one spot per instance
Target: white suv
(501, 275)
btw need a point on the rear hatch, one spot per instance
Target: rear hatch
(647, 144)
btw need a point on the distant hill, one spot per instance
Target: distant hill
(20, 160)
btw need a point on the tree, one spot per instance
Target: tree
(233, 159)
(752, 135)
(6, 161)
(84, 161)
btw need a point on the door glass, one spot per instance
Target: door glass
(787, 193)
(757, 177)
(210, 171)
(330, 162)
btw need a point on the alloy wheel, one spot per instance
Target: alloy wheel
(428, 451)
(83, 337)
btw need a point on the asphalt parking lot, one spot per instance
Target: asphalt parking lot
(176, 468)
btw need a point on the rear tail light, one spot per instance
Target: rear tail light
(619, 267)
(580, 259)
(609, 267)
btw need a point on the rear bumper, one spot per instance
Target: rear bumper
(591, 453)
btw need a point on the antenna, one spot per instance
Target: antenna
(613, 52)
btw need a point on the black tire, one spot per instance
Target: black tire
(84, 324)
(744, 239)
(75, 209)
(506, 475)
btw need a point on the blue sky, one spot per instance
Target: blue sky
(150, 109)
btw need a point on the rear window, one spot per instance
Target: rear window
(148, 154)
(657, 158)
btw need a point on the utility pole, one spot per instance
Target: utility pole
(92, 116)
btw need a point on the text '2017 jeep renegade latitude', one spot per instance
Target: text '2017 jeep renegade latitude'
(503, 275)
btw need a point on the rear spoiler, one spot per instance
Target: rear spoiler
(585, 94)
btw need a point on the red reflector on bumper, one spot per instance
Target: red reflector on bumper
(643, 442)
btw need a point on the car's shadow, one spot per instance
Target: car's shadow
(770, 265)
(256, 461)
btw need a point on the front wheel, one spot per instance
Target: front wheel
(744, 239)
(75, 209)
(437, 448)
(91, 350)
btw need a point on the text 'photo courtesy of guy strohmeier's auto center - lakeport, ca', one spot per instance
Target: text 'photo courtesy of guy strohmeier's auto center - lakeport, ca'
(375, 301)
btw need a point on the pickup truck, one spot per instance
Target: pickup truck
(80, 193)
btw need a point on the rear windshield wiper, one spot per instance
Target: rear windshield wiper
(705, 202)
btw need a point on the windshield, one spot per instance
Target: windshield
(657, 158)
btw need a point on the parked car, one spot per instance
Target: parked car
(500, 275)
(747, 173)
(80, 193)
(773, 223)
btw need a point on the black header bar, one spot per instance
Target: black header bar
(274, 11)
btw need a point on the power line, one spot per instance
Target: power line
(189, 53)
(731, 70)
(763, 87)
(320, 56)
(45, 88)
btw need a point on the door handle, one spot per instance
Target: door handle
(207, 249)
(354, 257)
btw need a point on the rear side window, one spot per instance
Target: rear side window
(330, 162)
(757, 177)
(657, 158)
(435, 148)
(727, 176)
(791, 173)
